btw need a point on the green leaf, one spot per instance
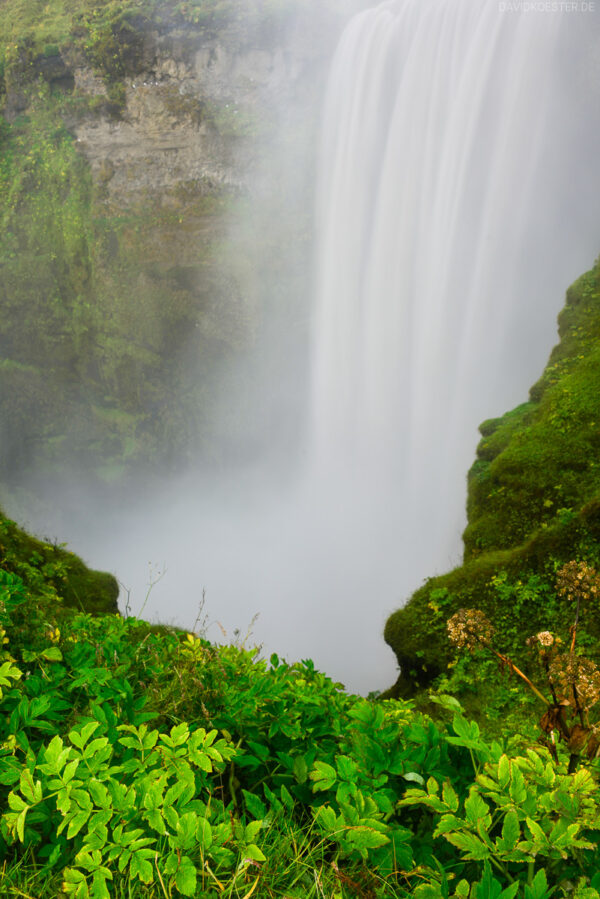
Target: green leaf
(186, 830)
(511, 832)
(429, 891)
(537, 833)
(76, 823)
(345, 793)
(16, 803)
(450, 703)
(286, 797)
(510, 892)
(203, 761)
(448, 824)
(10, 771)
(204, 833)
(171, 817)
(504, 772)
(74, 883)
(69, 771)
(472, 846)
(153, 794)
(9, 672)
(488, 887)
(323, 775)
(255, 806)
(140, 866)
(466, 730)
(99, 793)
(253, 852)
(252, 829)
(260, 750)
(52, 654)
(185, 878)
(21, 825)
(539, 888)
(326, 818)
(347, 768)
(30, 790)
(366, 838)
(155, 819)
(55, 756)
(300, 769)
(174, 793)
(475, 807)
(449, 796)
(99, 888)
(517, 790)
(180, 734)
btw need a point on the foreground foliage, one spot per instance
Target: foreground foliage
(142, 761)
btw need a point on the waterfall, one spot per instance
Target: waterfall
(455, 204)
(457, 199)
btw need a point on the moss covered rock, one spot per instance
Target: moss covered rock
(533, 504)
(48, 571)
(122, 154)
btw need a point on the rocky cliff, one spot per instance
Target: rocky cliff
(131, 138)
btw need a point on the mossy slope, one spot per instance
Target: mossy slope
(51, 573)
(533, 504)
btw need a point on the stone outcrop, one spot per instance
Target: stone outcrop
(125, 297)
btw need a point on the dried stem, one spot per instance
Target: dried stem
(518, 671)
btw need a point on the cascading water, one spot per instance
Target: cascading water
(457, 198)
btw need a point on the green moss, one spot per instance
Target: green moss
(541, 460)
(533, 504)
(110, 32)
(96, 322)
(50, 572)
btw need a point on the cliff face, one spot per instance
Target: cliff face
(127, 147)
(533, 504)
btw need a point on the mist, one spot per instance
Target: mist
(406, 253)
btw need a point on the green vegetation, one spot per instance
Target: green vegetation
(142, 761)
(533, 505)
(96, 320)
(51, 574)
(109, 31)
(119, 315)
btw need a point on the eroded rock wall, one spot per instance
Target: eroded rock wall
(124, 297)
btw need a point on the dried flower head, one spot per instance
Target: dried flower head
(578, 580)
(469, 627)
(544, 639)
(577, 679)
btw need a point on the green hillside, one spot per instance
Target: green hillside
(533, 504)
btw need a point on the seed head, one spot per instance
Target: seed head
(577, 679)
(468, 628)
(578, 580)
(544, 638)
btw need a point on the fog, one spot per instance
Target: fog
(450, 199)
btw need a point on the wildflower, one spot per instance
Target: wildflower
(469, 627)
